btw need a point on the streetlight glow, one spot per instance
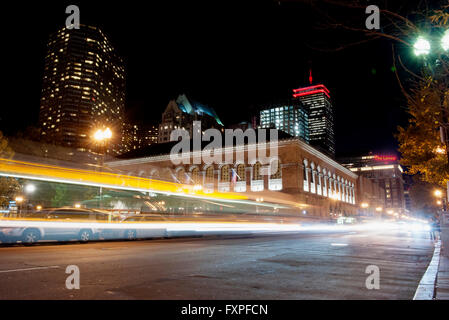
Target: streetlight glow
(379, 209)
(19, 199)
(107, 133)
(30, 188)
(438, 193)
(445, 41)
(364, 205)
(101, 135)
(421, 46)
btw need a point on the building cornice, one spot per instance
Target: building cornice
(244, 148)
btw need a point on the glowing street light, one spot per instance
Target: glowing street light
(77, 205)
(379, 209)
(445, 41)
(438, 193)
(364, 205)
(102, 135)
(421, 46)
(439, 202)
(19, 199)
(39, 208)
(30, 188)
(440, 150)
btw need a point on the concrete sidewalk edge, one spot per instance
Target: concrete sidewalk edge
(426, 287)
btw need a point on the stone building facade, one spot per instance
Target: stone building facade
(311, 178)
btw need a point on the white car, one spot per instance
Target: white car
(32, 234)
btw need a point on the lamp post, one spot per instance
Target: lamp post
(422, 47)
(102, 137)
(19, 200)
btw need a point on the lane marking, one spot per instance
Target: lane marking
(339, 244)
(29, 269)
(426, 287)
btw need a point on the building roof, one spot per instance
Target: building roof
(191, 107)
(165, 148)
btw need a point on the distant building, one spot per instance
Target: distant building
(83, 89)
(244, 125)
(138, 136)
(320, 117)
(290, 117)
(387, 173)
(181, 113)
(371, 197)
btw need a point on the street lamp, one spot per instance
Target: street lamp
(445, 41)
(438, 193)
(19, 200)
(102, 137)
(30, 188)
(421, 46)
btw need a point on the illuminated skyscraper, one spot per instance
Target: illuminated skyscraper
(321, 116)
(289, 116)
(83, 89)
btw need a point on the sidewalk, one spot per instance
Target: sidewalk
(442, 284)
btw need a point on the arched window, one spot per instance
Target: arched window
(325, 180)
(276, 165)
(305, 175)
(241, 174)
(256, 171)
(313, 182)
(225, 174)
(210, 174)
(195, 175)
(319, 181)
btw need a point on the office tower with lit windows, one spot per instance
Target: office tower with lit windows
(385, 171)
(321, 116)
(83, 89)
(290, 117)
(137, 136)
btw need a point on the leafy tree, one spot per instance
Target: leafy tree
(419, 143)
(5, 150)
(9, 188)
(422, 197)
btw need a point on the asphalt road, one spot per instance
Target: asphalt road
(308, 265)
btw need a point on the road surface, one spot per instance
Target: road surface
(307, 265)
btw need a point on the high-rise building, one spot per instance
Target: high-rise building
(180, 114)
(290, 117)
(321, 116)
(387, 173)
(83, 89)
(138, 136)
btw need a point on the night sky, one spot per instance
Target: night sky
(228, 55)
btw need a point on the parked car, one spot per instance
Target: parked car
(133, 232)
(30, 235)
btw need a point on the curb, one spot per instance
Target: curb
(426, 287)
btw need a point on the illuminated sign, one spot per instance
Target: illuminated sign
(310, 90)
(384, 158)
